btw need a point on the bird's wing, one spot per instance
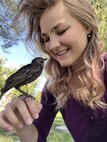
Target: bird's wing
(33, 72)
(22, 75)
(22, 70)
(18, 76)
(31, 76)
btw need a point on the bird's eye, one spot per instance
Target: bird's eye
(41, 61)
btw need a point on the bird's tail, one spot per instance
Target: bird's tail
(1, 93)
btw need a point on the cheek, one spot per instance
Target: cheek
(66, 39)
(48, 52)
(70, 37)
(45, 50)
(79, 39)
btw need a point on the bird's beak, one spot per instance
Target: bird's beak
(44, 59)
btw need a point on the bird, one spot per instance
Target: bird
(24, 75)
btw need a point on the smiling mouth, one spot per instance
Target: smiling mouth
(62, 52)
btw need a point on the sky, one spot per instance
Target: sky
(17, 56)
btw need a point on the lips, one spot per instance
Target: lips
(62, 52)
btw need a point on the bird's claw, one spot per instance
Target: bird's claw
(25, 95)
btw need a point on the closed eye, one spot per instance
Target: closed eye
(45, 39)
(62, 32)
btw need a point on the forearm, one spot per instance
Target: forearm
(28, 133)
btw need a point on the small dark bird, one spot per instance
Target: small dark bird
(24, 75)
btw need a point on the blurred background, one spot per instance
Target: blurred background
(14, 54)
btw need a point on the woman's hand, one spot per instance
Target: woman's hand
(19, 112)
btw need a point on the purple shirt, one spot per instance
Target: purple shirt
(83, 124)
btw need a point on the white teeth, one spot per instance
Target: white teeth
(62, 52)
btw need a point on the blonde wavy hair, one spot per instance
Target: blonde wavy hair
(59, 82)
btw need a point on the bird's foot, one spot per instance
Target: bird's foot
(26, 95)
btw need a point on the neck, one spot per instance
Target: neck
(78, 66)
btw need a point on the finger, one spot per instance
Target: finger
(24, 112)
(33, 107)
(39, 105)
(4, 124)
(11, 117)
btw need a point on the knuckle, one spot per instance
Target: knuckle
(19, 102)
(14, 100)
(28, 100)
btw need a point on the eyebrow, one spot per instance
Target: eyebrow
(55, 27)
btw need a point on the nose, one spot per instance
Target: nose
(54, 43)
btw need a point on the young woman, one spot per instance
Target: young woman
(66, 30)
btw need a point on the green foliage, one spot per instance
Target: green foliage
(4, 72)
(56, 136)
(6, 139)
(38, 96)
(100, 8)
(6, 136)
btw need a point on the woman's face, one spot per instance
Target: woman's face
(65, 38)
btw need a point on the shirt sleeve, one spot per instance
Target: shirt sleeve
(47, 115)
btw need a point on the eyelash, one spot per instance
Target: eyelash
(62, 32)
(59, 33)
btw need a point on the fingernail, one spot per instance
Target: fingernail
(36, 116)
(29, 121)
